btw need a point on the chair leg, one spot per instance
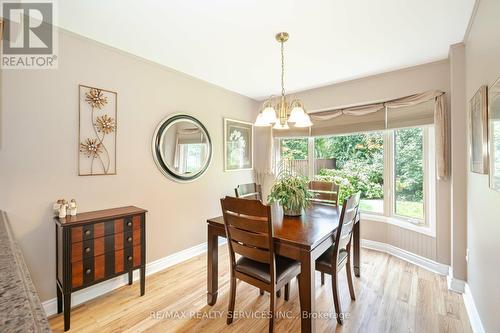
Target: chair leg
(261, 291)
(272, 309)
(278, 293)
(287, 291)
(232, 297)
(338, 309)
(322, 278)
(349, 278)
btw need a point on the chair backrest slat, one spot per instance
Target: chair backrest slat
(248, 207)
(324, 192)
(251, 252)
(347, 220)
(248, 223)
(248, 191)
(249, 238)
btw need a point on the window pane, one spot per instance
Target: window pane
(294, 156)
(194, 157)
(409, 172)
(356, 163)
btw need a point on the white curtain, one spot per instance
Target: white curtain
(442, 138)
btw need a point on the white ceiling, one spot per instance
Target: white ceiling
(231, 43)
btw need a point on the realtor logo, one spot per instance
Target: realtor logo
(28, 37)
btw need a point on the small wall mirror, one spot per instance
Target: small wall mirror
(182, 148)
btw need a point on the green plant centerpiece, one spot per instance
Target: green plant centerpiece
(291, 192)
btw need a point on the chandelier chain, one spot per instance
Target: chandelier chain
(282, 69)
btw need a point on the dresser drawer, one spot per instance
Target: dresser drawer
(90, 270)
(101, 229)
(98, 246)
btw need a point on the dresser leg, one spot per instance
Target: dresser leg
(143, 280)
(130, 277)
(67, 310)
(59, 300)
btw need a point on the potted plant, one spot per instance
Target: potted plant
(292, 193)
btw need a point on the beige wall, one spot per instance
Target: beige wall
(458, 162)
(483, 204)
(382, 87)
(38, 158)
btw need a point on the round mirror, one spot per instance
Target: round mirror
(182, 148)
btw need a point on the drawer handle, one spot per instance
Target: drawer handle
(88, 271)
(129, 239)
(129, 224)
(87, 232)
(129, 258)
(87, 249)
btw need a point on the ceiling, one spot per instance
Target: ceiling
(231, 43)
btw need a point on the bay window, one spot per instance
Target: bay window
(393, 169)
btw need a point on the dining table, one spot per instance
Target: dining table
(303, 238)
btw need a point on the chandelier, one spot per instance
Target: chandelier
(281, 113)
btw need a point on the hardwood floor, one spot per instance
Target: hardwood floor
(391, 296)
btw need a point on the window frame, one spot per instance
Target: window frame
(428, 227)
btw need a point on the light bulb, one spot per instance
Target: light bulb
(278, 126)
(269, 114)
(261, 122)
(304, 121)
(296, 115)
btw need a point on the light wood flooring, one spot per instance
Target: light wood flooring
(391, 296)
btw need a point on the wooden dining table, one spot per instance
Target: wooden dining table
(303, 238)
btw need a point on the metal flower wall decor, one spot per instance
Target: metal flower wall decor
(97, 131)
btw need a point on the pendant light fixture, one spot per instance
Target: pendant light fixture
(281, 113)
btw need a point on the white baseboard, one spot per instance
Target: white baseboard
(84, 295)
(470, 306)
(428, 264)
(455, 284)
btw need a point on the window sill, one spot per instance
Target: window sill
(424, 229)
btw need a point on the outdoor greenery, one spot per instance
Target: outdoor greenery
(291, 192)
(360, 166)
(409, 164)
(294, 149)
(360, 163)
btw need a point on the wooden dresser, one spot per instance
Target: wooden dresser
(96, 246)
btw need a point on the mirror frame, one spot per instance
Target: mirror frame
(493, 96)
(156, 149)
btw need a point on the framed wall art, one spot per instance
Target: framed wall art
(97, 131)
(238, 145)
(478, 129)
(494, 134)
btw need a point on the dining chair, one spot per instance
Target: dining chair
(249, 191)
(339, 254)
(249, 230)
(324, 192)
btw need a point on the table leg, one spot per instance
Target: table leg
(212, 267)
(357, 249)
(307, 292)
